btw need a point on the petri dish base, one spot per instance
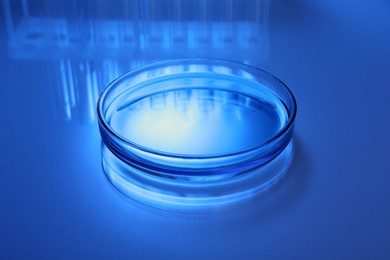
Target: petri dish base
(194, 123)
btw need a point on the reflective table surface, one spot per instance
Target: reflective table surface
(56, 203)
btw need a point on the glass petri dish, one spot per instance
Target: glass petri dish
(184, 134)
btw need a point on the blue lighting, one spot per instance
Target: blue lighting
(190, 170)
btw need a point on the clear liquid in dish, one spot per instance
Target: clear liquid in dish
(200, 121)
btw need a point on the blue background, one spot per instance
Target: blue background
(55, 202)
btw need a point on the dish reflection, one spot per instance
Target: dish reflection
(203, 196)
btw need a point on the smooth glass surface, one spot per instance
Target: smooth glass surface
(193, 121)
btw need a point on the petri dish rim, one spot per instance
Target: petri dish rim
(228, 63)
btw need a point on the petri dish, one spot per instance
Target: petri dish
(194, 135)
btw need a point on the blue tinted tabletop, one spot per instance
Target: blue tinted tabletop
(55, 202)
